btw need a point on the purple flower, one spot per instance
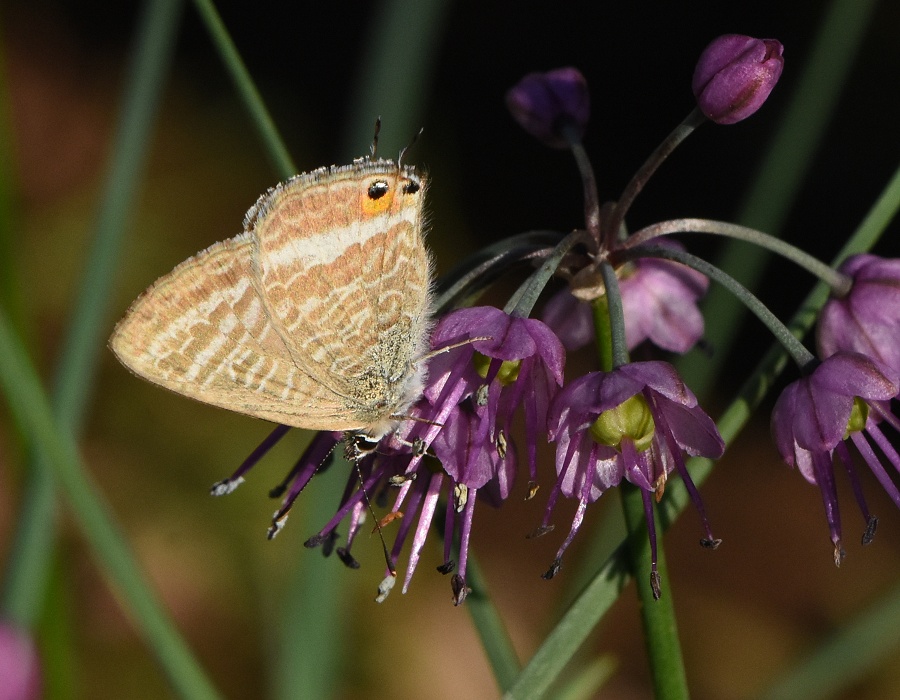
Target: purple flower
(544, 103)
(473, 391)
(488, 468)
(475, 388)
(816, 415)
(867, 319)
(634, 422)
(519, 362)
(20, 672)
(659, 301)
(570, 318)
(735, 75)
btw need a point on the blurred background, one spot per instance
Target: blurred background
(746, 612)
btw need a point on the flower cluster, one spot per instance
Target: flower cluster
(633, 422)
(845, 396)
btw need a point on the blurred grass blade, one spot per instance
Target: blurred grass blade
(587, 682)
(28, 402)
(27, 572)
(498, 648)
(394, 72)
(781, 173)
(573, 628)
(246, 89)
(846, 658)
(12, 292)
(598, 596)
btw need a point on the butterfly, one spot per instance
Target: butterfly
(316, 316)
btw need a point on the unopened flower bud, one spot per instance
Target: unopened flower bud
(735, 75)
(545, 104)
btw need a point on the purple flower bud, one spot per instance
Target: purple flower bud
(867, 319)
(735, 75)
(544, 103)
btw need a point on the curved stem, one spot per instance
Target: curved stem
(840, 283)
(589, 182)
(803, 357)
(657, 614)
(645, 172)
(480, 269)
(523, 300)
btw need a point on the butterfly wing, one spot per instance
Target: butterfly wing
(203, 331)
(343, 270)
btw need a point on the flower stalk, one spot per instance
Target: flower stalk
(650, 166)
(657, 609)
(836, 280)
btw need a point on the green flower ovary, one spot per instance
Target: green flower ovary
(859, 414)
(509, 369)
(631, 419)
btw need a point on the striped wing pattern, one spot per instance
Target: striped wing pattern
(312, 318)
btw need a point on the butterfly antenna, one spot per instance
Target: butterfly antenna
(412, 141)
(374, 147)
(448, 348)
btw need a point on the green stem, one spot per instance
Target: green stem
(616, 321)
(525, 297)
(839, 283)
(29, 404)
(478, 271)
(603, 331)
(645, 172)
(243, 83)
(657, 615)
(589, 184)
(803, 357)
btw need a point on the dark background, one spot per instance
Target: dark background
(745, 612)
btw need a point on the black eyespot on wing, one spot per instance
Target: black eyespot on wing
(378, 189)
(411, 187)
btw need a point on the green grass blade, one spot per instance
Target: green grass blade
(491, 631)
(243, 83)
(845, 658)
(28, 402)
(27, 572)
